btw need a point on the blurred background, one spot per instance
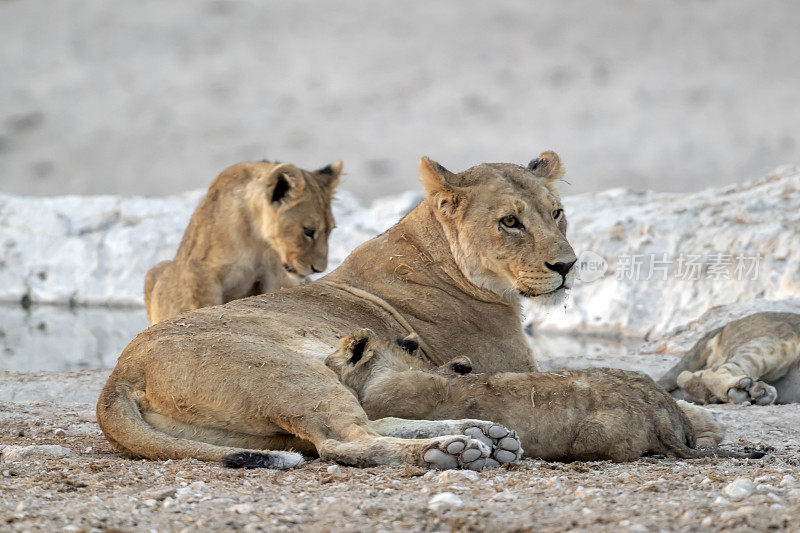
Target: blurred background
(154, 97)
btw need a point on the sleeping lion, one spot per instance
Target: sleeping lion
(588, 415)
(755, 359)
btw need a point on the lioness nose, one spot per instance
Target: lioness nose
(316, 270)
(561, 268)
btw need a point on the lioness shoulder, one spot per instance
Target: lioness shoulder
(261, 226)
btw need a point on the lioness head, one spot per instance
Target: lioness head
(291, 209)
(505, 224)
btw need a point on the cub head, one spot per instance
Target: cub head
(363, 361)
(363, 357)
(505, 225)
(291, 209)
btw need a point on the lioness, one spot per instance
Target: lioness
(755, 359)
(589, 415)
(262, 226)
(227, 382)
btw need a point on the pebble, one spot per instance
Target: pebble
(765, 487)
(241, 508)
(185, 492)
(59, 432)
(706, 522)
(335, 470)
(444, 501)
(505, 496)
(582, 492)
(158, 494)
(739, 489)
(788, 481)
(19, 453)
(454, 476)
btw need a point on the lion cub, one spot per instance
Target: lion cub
(755, 359)
(594, 414)
(262, 226)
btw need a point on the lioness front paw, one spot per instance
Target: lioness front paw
(458, 451)
(747, 391)
(505, 444)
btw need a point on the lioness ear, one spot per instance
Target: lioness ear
(281, 181)
(547, 165)
(439, 187)
(328, 176)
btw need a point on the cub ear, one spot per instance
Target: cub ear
(547, 165)
(439, 185)
(281, 181)
(409, 344)
(358, 346)
(328, 176)
(460, 365)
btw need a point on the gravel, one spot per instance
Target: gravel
(96, 488)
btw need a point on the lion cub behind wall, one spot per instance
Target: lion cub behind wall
(262, 226)
(593, 414)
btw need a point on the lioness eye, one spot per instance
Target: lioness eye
(309, 232)
(557, 213)
(510, 221)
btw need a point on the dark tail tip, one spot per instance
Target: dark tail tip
(756, 455)
(254, 460)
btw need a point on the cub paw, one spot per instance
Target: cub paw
(505, 444)
(458, 451)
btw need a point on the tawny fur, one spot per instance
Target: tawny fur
(248, 236)
(250, 374)
(755, 359)
(595, 414)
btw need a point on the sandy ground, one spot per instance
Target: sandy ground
(97, 489)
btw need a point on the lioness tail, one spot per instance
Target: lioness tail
(121, 421)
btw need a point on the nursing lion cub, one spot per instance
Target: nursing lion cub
(755, 359)
(588, 415)
(226, 383)
(262, 226)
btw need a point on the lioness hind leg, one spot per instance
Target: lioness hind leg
(505, 444)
